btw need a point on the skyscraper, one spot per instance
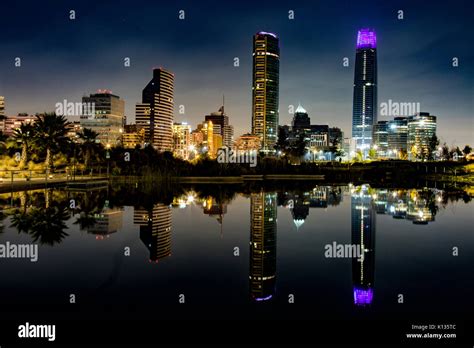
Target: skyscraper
(108, 120)
(265, 89)
(301, 120)
(364, 111)
(221, 126)
(159, 94)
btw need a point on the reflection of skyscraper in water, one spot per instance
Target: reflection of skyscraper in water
(299, 210)
(215, 209)
(108, 221)
(155, 230)
(363, 234)
(263, 229)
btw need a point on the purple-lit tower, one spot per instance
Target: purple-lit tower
(364, 111)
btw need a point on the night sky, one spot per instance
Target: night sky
(66, 59)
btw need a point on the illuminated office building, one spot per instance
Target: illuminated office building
(181, 140)
(421, 128)
(108, 118)
(221, 126)
(397, 133)
(142, 120)
(265, 89)
(364, 112)
(380, 138)
(159, 96)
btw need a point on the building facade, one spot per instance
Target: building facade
(364, 111)
(265, 89)
(421, 129)
(158, 95)
(380, 138)
(142, 120)
(397, 137)
(221, 126)
(181, 140)
(14, 122)
(108, 120)
(247, 142)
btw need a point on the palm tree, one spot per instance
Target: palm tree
(24, 135)
(50, 135)
(89, 144)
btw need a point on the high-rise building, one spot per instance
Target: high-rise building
(203, 138)
(301, 120)
(159, 96)
(364, 112)
(181, 140)
(221, 126)
(2, 113)
(421, 129)
(380, 138)
(397, 133)
(108, 120)
(263, 237)
(265, 89)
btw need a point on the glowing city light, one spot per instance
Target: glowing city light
(363, 296)
(366, 38)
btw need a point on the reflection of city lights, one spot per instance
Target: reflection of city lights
(362, 296)
(392, 209)
(420, 213)
(374, 196)
(394, 194)
(190, 199)
(439, 199)
(263, 298)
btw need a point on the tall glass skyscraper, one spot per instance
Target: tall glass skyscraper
(159, 96)
(265, 89)
(364, 111)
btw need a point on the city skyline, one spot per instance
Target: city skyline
(422, 57)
